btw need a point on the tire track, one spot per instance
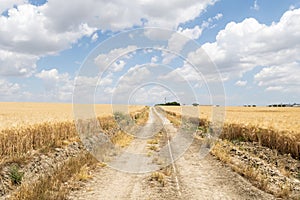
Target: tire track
(193, 177)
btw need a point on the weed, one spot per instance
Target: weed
(83, 174)
(15, 174)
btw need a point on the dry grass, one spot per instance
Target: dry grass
(159, 177)
(83, 174)
(153, 141)
(52, 186)
(153, 147)
(252, 173)
(121, 139)
(140, 115)
(276, 128)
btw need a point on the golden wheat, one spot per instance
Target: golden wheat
(40, 126)
(23, 114)
(276, 128)
(281, 119)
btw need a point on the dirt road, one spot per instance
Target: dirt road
(191, 177)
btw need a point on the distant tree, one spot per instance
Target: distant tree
(195, 104)
(174, 103)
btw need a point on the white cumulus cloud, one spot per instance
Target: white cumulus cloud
(36, 31)
(241, 47)
(281, 77)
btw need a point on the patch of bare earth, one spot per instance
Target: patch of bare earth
(269, 170)
(189, 178)
(208, 178)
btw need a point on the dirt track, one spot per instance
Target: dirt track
(192, 177)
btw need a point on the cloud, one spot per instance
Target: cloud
(177, 41)
(292, 7)
(240, 47)
(255, 6)
(152, 94)
(25, 31)
(58, 87)
(171, 14)
(8, 88)
(118, 65)
(209, 22)
(36, 31)
(106, 80)
(241, 83)
(90, 88)
(25, 37)
(192, 33)
(145, 84)
(103, 60)
(218, 16)
(118, 15)
(94, 37)
(7, 4)
(275, 88)
(16, 64)
(283, 78)
(48, 75)
(154, 59)
(182, 74)
(13, 91)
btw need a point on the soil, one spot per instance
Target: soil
(35, 166)
(191, 176)
(279, 170)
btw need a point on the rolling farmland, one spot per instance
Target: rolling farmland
(255, 143)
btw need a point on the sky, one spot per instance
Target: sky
(147, 51)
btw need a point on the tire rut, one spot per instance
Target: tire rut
(197, 178)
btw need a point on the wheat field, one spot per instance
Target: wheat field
(281, 119)
(39, 126)
(23, 114)
(277, 128)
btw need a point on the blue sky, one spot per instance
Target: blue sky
(48, 48)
